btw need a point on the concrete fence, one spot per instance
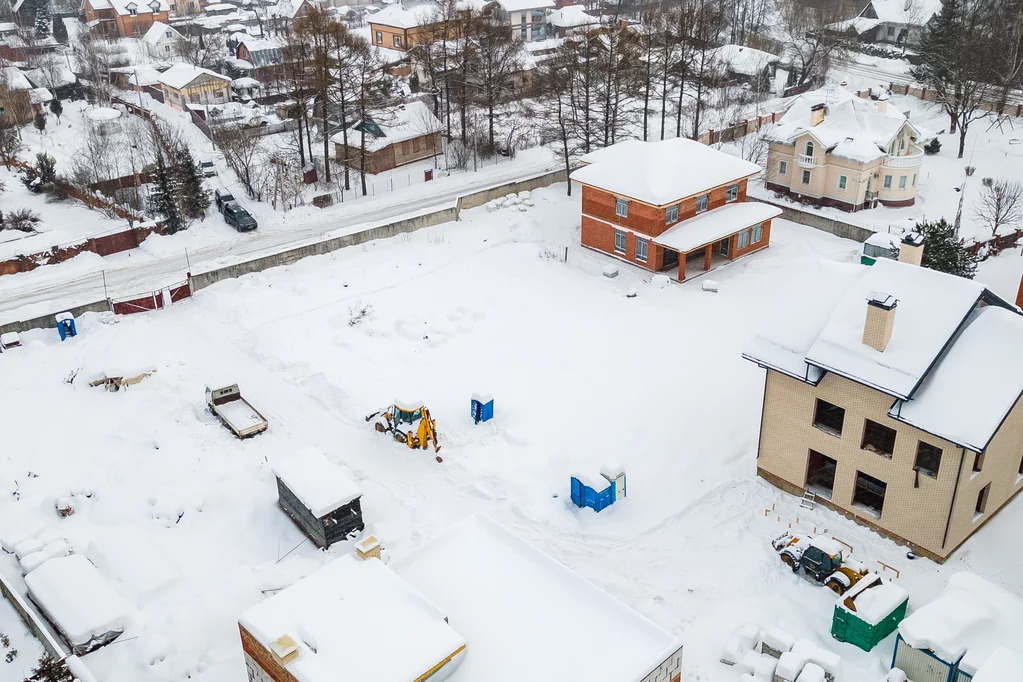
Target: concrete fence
(836, 227)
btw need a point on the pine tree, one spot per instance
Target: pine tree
(46, 168)
(59, 30)
(165, 199)
(40, 122)
(193, 199)
(49, 669)
(44, 22)
(945, 250)
(56, 108)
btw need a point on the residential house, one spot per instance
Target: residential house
(899, 22)
(397, 136)
(401, 27)
(835, 149)
(891, 394)
(261, 58)
(570, 18)
(741, 64)
(672, 203)
(184, 84)
(969, 633)
(282, 15)
(527, 19)
(124, 18)
(20, 99)
(474, 603)
(161, 40)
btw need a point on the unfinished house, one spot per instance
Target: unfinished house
(891, 395)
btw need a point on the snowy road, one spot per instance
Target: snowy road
(162, 261)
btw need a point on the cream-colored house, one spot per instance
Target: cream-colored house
(184, 84)
(835, 149)
(893, 397)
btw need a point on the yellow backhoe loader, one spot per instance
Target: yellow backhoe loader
(410, 423)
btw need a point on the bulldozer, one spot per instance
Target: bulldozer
(820, 558)
(409, 423)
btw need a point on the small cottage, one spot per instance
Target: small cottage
(319, 497)
(397, 136)
(869, 612)
(184, 84)
(161, 40)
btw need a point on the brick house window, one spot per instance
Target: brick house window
(671, 215)
(982, 497)
(380, 37)
(758, 233)
(743, 239)
(928, 459)
(621, 208)
(806, 177)
(619, 241)
(732, 193)
(701, 203)
(842, 182)
(879, 439)
(820, 474)
(887, 182)
(783, 167)
(869, 494)
(641, 249)
(829, 418)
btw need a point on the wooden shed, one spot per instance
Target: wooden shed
(319, 497)
(869, 612)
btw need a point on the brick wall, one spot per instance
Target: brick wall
(668, 671)
(765, 237)
(262, 660)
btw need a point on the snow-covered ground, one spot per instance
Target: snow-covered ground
(19, 640)
(582, 374)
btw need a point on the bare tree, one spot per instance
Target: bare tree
(319, 34)
(1000, 204)
(807, 42)
(559, 127)
(242, 151)
(497, 61)
(204, 51)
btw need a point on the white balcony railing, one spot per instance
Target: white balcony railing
(806, 161)
(912, 160)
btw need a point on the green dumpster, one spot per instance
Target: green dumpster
(869, 612)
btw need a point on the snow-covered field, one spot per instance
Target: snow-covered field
(184, 516)
(19, 640)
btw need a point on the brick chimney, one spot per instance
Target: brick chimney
(817, 112)
(912, 249)
(882, 104)
(877, 330)
(368, 547)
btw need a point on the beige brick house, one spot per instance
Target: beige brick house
(184, 84)
(893, 397)
(835, 149)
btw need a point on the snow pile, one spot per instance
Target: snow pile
(515, 202)
(9, 340)
(969, 620)
(776, 641)
(741, 642)
(1002, 665)
(355, 620)
(873, 599)
(78, 601)
(804, 661)
(140, 567)
(320, 485)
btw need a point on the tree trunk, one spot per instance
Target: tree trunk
(301, 148)
(326, 144)
(962, 140)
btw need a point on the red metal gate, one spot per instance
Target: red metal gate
(153, 300)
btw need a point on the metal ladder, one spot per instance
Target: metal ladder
(809, 500)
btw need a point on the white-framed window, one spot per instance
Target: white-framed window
(380, 37)
(619, 241)
(397, 41)
(783, 167)
(671, 215)
(887, 182)
(902, 143)
(621, 208)
(914, 179)
(743, 239)
(902, 182)
(758, 233)
(701, 203)
(806, 177)
(808, 149)
(641, 249)
(732, 193)
(842, 181)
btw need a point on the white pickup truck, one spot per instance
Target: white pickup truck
(234, 411)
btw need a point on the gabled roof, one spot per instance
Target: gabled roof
(571, 16)
(520, 5)
(742, 60)
(396, 124)
(15, 78)
(122, 6)
(400, 16)
(853, 127)
(910, 12)
(180, 75)
(157, 32)
(663, 172)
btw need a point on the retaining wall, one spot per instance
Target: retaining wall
(483, 196)
(47, 321)
(830, 225)
(32, 621)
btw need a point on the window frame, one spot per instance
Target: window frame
(703, 199)
(902, 182)
(932, 473)
(621, 208)
(870, 481)
(379, 35)
(642, 249)
(868, 426)
(742, 239)
(757, 234)
(978, 463)
(887, 183)
(914, 179)
(625, 241)
(732, 193)
(671, 215)
(823, 426)
(783, 168)
(806, 177)
(809, 148)
(396, 40)
(843, 182)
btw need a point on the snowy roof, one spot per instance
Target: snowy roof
(8, 27)
(403, 122)
(971, 618)
(712, 226)
(661, 173)
(975, 384)
(319, 484)
(57, 74)
(245, 82)
(287, 8)
(355, 620)
(157, 32)
(873, 599)
(853, 127)
(180, 75)
(885, 239)
(912, 12)
(40, 95)
(572, 15)
(122, 7)
(399, 16)
(519, 5)
(79, 601)
(144, 74)
(15, 78)
(1001, 666)
(742, 60)
(527, 616)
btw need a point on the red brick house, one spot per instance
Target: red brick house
(670, 204)
(124, 18)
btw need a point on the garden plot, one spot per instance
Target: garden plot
(581, 373)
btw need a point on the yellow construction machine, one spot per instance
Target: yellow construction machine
(410, 423)
(820, 558)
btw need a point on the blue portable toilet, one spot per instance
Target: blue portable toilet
(481, 407)
(65, 325)
(595, 492)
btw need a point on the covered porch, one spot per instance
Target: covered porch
(708, 240)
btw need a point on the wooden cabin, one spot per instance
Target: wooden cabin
(318, 496)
